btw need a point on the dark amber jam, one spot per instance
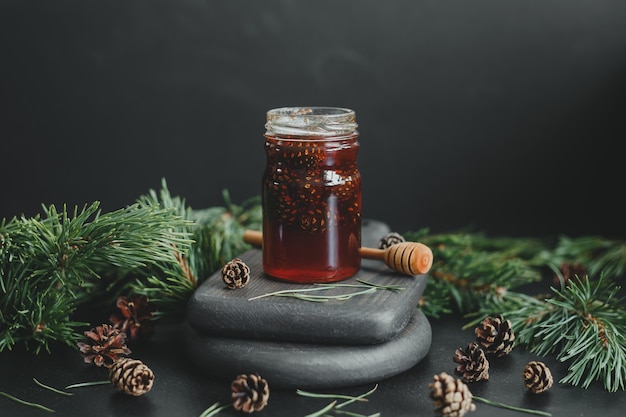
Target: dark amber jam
(311, 207)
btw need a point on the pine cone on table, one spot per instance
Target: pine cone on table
(390, 239)
(473, 364)
(134, 317)
(236, 274)
(250, 393)
(451, 397)
(131, 376)
(495, 335)
(105, 344)
(537, 377)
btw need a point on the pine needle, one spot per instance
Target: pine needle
(510, 407)
(333, 406)
(58, 391)
(26, 403)
(366, 288)
(213, 410)
(88, 384)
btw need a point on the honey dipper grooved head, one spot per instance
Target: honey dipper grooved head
(411, 258)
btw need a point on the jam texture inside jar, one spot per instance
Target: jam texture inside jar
(311, 195)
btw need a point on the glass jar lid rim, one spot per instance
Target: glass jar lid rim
(316, 121)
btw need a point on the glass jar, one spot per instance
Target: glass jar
(311, 195)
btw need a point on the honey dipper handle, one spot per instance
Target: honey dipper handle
(253, 237)
(371, 253)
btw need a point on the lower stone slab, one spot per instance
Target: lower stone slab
(305, 366)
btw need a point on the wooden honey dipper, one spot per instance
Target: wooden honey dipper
(410, 258)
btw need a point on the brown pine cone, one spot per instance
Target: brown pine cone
(473, 364)
(390, 239)
(569, 270)
(537, 377)
(105, 344)
(250, 393)
(131, 376)
(451, 397)
(236, 274)
(495, 335)
(134, 317)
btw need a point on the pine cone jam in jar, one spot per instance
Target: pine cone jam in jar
(311, 195)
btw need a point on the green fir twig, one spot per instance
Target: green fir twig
(217, 234)
(583, 323)
(54, 263)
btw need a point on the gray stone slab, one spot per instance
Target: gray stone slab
(371, 318)
(308, 366)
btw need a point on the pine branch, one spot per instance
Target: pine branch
(584, 324)
(593, 254)
(217, 234)
(50, 263)
(471, 269)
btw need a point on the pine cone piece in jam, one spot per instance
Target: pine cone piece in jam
(105, 344)
(250, 393)
(495, 335)
(236, 274)
(473, 364)
(131, 377)
(450, 396)
(537, 377)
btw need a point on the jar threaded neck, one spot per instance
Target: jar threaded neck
(311, 121)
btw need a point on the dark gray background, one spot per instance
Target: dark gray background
(504, 115)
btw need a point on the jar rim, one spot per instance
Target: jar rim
(311, 121)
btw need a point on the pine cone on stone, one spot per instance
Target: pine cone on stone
(495, 335)
(131, 376)
(473, 364)
(134, 317)
(390, 239)
(537, 377)
(250, 393)
(236, 274)
(450, 396)
(105, 344)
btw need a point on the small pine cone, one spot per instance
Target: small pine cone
(236, 274)
(537, 377)
(390, 239)
(105, 344)
(473, 364)
(451, 397)
(250, 393)
(571, 270)
(134, 317)
(131, 377)
(495, 335)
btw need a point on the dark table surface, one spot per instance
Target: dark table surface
(181, 390)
